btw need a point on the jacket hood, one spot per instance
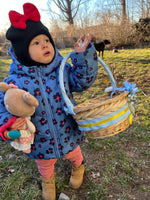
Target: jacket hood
(17, 68)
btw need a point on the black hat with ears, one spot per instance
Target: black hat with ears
(23, 29)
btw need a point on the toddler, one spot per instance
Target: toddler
(35, 68)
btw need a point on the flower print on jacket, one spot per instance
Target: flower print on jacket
(56, 132)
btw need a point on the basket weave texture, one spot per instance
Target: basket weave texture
(102, 106)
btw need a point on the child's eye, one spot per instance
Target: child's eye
(47, 40)
(36, 43)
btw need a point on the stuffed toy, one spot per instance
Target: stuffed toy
(20, 104)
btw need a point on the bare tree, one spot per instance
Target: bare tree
(140, 9)
(68, 9)
(112, 10)
(145, 7)
(124, 14)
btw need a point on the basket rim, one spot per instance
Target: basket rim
(108, 101)
(69, 105)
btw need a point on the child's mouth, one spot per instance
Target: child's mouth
(47, 53)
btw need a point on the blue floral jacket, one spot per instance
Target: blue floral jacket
(56, 132)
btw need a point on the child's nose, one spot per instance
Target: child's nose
(44, 45)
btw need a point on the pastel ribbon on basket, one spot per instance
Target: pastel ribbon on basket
(132, 89)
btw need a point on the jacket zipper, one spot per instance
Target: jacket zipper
(49, 113)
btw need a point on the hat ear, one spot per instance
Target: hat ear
(4, 86)
(30, 100)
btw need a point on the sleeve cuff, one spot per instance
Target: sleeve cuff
(5, 126)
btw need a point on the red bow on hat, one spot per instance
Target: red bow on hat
(30, 13)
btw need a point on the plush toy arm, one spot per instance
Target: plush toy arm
(11, 135)
(30, 126)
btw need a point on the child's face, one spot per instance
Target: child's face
(41, 50)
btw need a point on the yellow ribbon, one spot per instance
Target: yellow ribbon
(108, 119)
(130, 118)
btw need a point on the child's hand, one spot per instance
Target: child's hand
(18, 125)
(81, 46)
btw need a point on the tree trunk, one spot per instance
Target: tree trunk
(69, 12)
(124, 14)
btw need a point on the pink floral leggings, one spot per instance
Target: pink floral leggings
(46, 167)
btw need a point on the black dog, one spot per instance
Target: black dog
(101, 46)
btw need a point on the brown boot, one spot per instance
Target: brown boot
(48, 188)
(76, 178)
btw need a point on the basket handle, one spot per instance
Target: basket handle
(108, 71)
(70, 106)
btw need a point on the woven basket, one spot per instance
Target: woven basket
(100, 117)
